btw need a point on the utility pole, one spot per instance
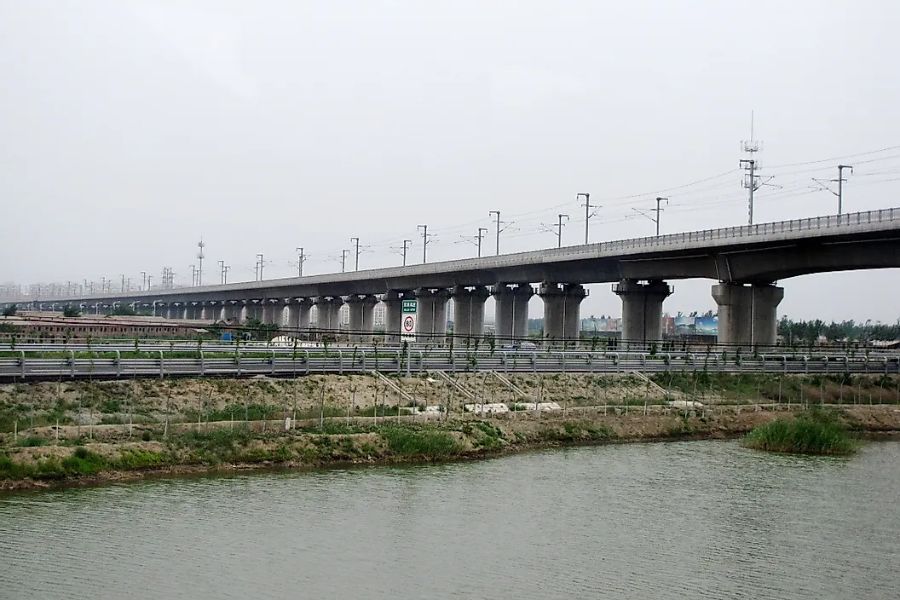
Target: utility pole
(123, 283)
(193, 275)
(840, 182)
(840, 187)
(143, 280)
(149, 277)
(658, 210)
(344, 254)
(425, 241)
(225, 269)
(221, 271)
(587, 214)
(301, 258)
(751, 179)
(259, 267)
(200, 256)
(559, 228)
(479, 237)
(406, 245)
(751, 182)
(491, 213)
(355, 240)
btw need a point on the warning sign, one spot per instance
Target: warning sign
(408, 320)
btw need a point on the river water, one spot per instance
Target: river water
(673, 520)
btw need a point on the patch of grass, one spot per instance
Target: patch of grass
(485, 435)
(429, 443)
(815, 432)
(213, 447)
(32, 442)
(140, 459)
(12, 470)
(83, 462)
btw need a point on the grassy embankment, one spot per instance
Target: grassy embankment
(312, 446)
(811, 432)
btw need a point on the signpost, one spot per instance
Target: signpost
(408, 319)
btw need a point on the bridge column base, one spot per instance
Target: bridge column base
(747, 313)
(468, 312)
(562, 310)
(328, 309)
(362, 316)
(431, 318)
(393, 315)
(511, 311)
(272, 312)
(298, 315)
(642, 309)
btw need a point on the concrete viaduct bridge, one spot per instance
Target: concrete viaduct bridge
(745, 262)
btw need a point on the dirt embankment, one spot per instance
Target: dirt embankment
(222, 449)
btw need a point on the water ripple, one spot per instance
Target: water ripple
(694, 519)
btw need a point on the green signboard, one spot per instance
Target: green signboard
(409, 306)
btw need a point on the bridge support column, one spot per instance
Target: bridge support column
(393, 315)
(298, 315)
(747, 313)
(562, 310)
(207, 310)
(272, 311)
(642, 309)
(329, 317)
(511, 312)
(231, 311)
(362, 316)
(431, 318)
(468, 312)
(254, 310)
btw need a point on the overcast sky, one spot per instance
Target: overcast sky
(130, 129)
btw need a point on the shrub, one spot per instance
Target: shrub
(409, 441)
(815, 432)
(32, 441)
(139, 459)
(83, 462)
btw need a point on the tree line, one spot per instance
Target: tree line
(798, 332)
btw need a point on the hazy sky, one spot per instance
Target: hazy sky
(130, 129)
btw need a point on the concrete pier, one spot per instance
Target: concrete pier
(468, 311)
(272, 311)
(362, 316)
(747, 313)
(230, 311)
(511, 312)
(329, 318)
(393, 315)
(562, 310)
(642, 309)
(298, 315)
(431, 318)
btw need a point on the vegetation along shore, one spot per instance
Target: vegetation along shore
(71, 433)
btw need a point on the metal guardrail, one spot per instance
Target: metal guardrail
(24, 368)
(761, 229)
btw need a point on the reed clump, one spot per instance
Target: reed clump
(814, 432)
